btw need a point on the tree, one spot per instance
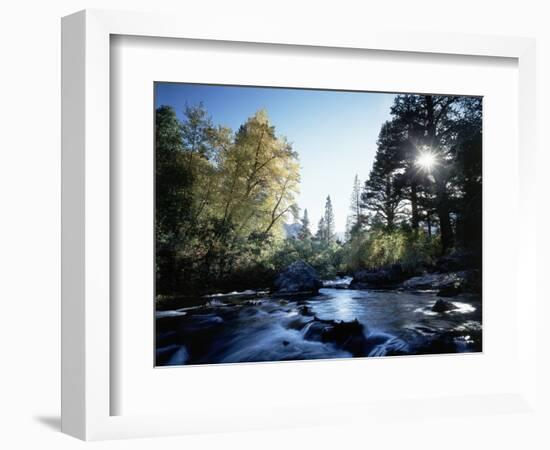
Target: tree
(221, 197)
(349, 226)
(321, 234)
(172, 180)
(381, 195)
(330, 235)
(468, 173)
(197, 131)
(257, 180)
(201, 142)
(447, 128)
(355, 218)
(260, 177)
(430, 123)
(408, 132)
(171, 177)
(305, 232)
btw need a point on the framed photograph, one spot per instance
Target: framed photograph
(258, 258)
(277, 242)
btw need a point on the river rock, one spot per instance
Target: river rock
(298, 278)
(432, 281)
(443, 306)
(448, 284)
(381, 278)
(349, 336)
(450, 291)
(305, 310)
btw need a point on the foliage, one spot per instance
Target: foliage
(326, 259)
(382, 196)
(380, 248)
(325, 230)
(355, 218)
(305, 232)
(443, 197)
(221, 197)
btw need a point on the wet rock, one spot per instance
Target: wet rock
(195, 332)
(433, 281)
(285, 343)
(443, 306)
(449, 284)
(472, 281)
(305, 310)
(464, 338)
(450, 291)
(297, 323)
(381, 278)
(349, 336)
(298, 278)
(313, 331)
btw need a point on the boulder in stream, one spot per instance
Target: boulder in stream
(305, 310)
(448, 284)
(349, 336)
(450, 291)
(298, 278)
(443, 306)
(433, 281)
(388, 277)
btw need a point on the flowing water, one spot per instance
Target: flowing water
(390, 322)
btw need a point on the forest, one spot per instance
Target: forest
(227, 218)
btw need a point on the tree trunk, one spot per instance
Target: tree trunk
(442, 197)
(414, 207)
(444, 219)
(431, 120)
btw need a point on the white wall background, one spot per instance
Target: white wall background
(30, 199)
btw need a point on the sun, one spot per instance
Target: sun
(426, 160)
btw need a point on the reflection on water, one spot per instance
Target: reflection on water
(276, 329)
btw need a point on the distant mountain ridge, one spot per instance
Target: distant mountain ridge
(292, 230)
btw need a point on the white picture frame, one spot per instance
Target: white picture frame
(86, 220)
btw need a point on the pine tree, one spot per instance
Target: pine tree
(330, 235)
(429, 122)
(382, 196)
(349, 227)
(305, 232)
(197, 131)
(355, 218)
(321, 230)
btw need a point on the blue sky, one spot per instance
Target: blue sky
(334, 132)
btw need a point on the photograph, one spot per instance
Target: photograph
(297, 224)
